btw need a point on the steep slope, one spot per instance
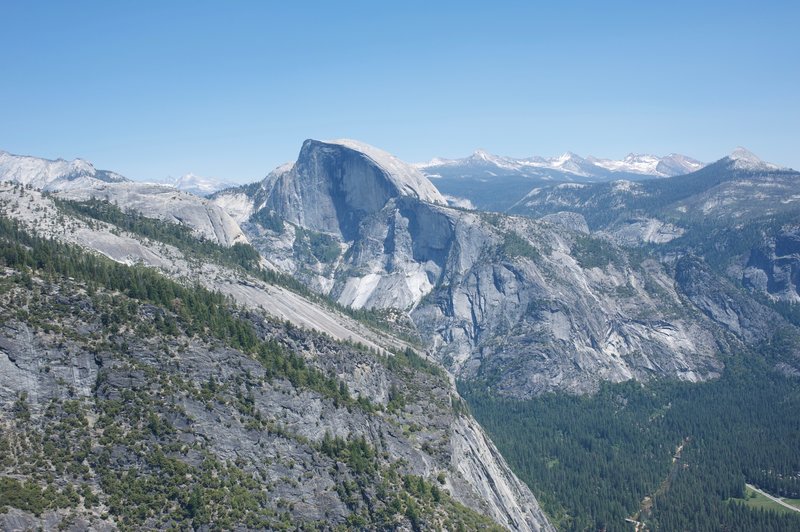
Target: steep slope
(282, 412)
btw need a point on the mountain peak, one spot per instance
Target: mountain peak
(408, 180)
(482, 154)
(744, 159)
(336, 184)
(743, 154)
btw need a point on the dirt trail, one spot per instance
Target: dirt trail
(637, 519)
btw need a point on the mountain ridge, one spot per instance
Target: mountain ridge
(569, 163)
(53, 174)
(489, 182)
(197, 185)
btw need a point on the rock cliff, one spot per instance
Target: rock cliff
(528, 306)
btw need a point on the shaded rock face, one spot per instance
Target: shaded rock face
(773, 269)
(333, 187)
(400, 254)
(717, 298)
(431, 230)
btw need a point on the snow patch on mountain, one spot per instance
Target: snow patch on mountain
(460, 203)
(567, 163)
(744, 159)
(645, 164)
(198, 185)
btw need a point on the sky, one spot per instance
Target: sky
(152, 89)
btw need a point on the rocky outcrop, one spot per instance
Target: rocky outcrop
(639, 231)
(208, 220)
(334, 185)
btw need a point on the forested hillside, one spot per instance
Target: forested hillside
(689, 448)
(138, 402)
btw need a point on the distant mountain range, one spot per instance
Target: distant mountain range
(483, 164)
(736, 187)
(197, 185)
(493, 182)
(60, 174)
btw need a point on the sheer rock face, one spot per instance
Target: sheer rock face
(773, 268)
(388, 218)
(335, 185)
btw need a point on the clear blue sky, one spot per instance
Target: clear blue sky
(231, 89)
